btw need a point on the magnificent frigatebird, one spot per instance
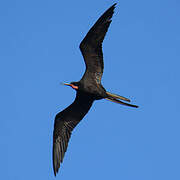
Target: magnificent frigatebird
(88, 89)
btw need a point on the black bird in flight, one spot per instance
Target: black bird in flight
(88, 89)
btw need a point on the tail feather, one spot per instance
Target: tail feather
(117, 96)
(120, 102)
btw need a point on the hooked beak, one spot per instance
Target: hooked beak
(68, 84)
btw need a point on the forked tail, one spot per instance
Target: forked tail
(115, 98)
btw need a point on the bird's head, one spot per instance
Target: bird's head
(74, 85)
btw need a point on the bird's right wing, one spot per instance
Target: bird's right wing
(91, 47)
(65, 122)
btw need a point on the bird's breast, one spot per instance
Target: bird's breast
(95, 92)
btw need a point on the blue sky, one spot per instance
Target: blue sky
(39, 49)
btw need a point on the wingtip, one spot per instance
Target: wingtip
(113, 6)
(56, 164)
(111, 9)
(55, 170)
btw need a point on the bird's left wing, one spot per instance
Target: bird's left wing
(65, 122)
(91, 47)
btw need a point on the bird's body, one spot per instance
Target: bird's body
(88, 89)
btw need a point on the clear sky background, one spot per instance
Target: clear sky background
(39, 42)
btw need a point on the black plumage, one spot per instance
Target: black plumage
(88, 89)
